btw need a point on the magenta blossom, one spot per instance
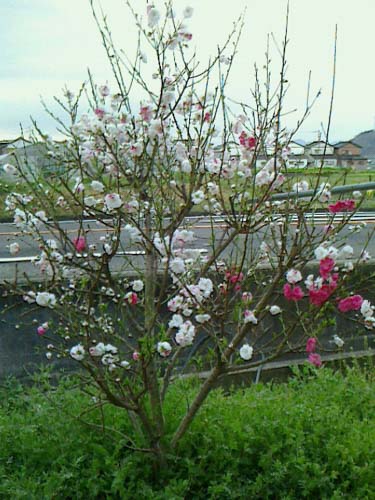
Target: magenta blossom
(315, 359)
(42, 329)
(294, 293)
(325, 267)
(310, 345)
(352, 303)
(235, 277)
(318, 296)
(341, 206)
(79, 243)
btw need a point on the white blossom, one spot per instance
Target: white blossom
(249, 317)
(153, 17)
(97, 186)
(175, 303)
(333, 252)
(90, 201)
(246, 352)
(293, 276)
(347, 252)
(177, 265)
(14, 248)
(197, 197)
(320, 253)
(176, 321)
(9, 169)
(309, 281)
(77, 352)
(137, 285)
(134, 233)
(366, 309)
(365, 256)
(188, 12)
(369, 322)
(181, 237)
(274, 310)
(338, 341)
(186, 166)
(185, 335)
(45, 299)
(29, 297)
(212, 188)
(300, 186)
(202, 318)
(109, 360)
(97, 350)
(206, 286)
(164, 349)
(112, 201)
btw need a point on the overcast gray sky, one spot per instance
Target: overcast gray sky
(46, 44)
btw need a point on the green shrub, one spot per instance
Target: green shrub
(311, 438)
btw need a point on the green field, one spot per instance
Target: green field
(315, 177)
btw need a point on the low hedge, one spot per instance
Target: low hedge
(313, 437)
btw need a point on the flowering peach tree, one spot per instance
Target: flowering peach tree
(180, 257)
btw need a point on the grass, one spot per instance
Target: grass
(314, 176)
(310, 438)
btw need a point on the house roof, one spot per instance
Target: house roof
(342, 143)
(318, 142)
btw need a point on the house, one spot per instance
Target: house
(296, 156)
(344, 154)
(349, 155)
(32, 157)
(321, 153)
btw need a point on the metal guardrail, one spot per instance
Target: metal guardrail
(33, 258)
(366, 186)
(279, 196)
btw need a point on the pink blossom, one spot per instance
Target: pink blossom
(292, 293)
(146, 113)
(247, 297)
(207, 117)
(234, 278)
(131, 298)
(325, 267)
(315, 359)
(187, 36)
(79, 243)
(104, 90)
(341, 206)
(136, 356)
(310, 345)
(246, 141)
(99, 113)
(352, 303)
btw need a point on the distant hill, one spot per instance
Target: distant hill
(367, 141)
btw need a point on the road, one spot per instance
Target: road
(202, 227)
